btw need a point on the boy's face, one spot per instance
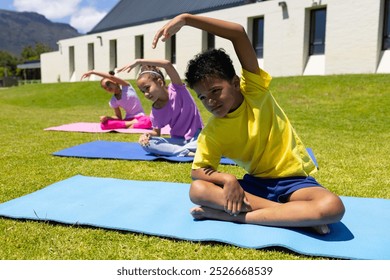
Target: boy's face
(219, 96)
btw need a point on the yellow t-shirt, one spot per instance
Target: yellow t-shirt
(258, 135)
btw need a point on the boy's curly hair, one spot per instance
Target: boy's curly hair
(210, 63)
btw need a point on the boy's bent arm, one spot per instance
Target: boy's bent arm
(225, 29)
(211, 175)
(232, 193)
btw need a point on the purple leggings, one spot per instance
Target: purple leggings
(143, 123)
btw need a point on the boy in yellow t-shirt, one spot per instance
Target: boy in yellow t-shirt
(249, 127)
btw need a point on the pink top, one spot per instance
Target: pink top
(180, 113)
(129, 102)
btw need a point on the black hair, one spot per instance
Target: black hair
(210, 63)
(106, 84)
(157, 75)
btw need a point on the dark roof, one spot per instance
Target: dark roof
(135, 12)
(32, 64)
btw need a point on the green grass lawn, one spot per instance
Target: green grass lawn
(344, 119)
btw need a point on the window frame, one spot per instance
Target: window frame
(210, 41)
(139, 46)
(72, 60)
(172, 46)
(113, 54)
(317, 38)
(386, 27)
(91, 56)
(258, 38)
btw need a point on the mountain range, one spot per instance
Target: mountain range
(21, 29)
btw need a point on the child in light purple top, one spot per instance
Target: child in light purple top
(173, 105)
(125, 97)
(180, 113)
(129, 102)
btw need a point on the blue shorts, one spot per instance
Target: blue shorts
(278, 189)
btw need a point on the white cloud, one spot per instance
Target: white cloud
(81, 18)
(86, 18)
(52, 9)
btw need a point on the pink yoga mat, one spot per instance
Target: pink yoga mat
(95, 128)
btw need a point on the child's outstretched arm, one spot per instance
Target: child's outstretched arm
(105, 75)
(225, 29)
(167, 65)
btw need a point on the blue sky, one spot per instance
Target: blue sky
(81, 14)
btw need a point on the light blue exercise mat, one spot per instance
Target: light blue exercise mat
(162, 209)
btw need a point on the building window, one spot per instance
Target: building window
(173, 49)
(71, 61)
(91, 56)
(170, 49)
(317, 31)
(258, 36)
(139, 46)
(113, 55)
(386, 27)
(210, 41)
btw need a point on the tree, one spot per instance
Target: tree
(8, 64)
(30, 53)
(33, 53)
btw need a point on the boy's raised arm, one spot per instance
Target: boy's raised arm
(225, 29)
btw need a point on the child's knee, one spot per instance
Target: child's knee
(331, 209)
(339, 208)
(197, 191)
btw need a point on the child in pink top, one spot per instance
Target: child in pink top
(173, 105)
(125, 97)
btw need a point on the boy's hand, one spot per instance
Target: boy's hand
(168, 30)
(234, 197)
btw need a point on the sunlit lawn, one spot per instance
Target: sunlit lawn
(344, 119)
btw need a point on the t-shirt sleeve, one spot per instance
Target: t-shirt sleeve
(254, 82)
(208, 154)
(178, 88)
(130, 92)
(113, 103)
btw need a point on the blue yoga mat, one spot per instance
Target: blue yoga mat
(110, 203)
(128, 151)
(119, 150)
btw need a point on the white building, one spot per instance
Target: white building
(291, 37)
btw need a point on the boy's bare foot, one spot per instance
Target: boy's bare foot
(202, 212)
(322, 229)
